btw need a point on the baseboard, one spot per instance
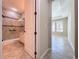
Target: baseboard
(75, 57)
(72, 49)
(42, 56)
(27, 51)
(72, 46)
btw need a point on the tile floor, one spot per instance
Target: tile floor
(61, 49)
(14, 50)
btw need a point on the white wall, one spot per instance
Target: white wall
(71, 24)
(43, 24)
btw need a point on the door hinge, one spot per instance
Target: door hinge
(35, 13)
(35, 33)
(35, 53)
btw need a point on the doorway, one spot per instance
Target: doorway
(62, 30)
(59, 43)
(62, 43)
(14, 33)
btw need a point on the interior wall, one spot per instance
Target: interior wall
(43, 24)
(71, 24)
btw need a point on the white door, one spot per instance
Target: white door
(30, 27)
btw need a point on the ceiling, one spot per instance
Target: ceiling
(13, 8)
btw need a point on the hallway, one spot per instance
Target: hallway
(61, 49)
